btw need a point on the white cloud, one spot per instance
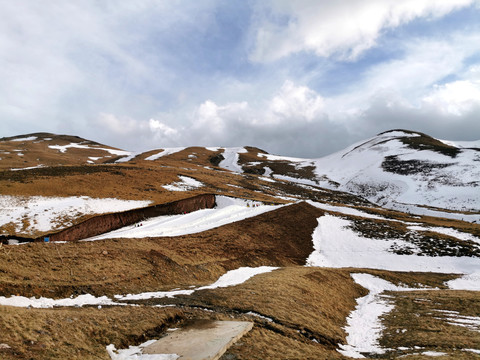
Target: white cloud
(457, 98)
(343, 28)
(294, 102)
(161, 130)
(119, 126)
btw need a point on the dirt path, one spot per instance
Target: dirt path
(201, 340)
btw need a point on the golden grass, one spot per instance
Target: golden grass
(416, 321)
(279, 238)
(79, 333)
(305, 303)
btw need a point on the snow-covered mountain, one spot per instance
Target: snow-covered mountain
(397, 169)
(407, 168)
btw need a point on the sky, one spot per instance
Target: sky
(301, 78)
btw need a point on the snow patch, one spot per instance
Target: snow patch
(448, 231)
(42, 302)
(466, 282)
(164, 152)
(136, 353)
(363, 324)
(28, 168)
(230, 278)
(64, 148)
(45, 213)
(185, 184)
(231, 156)
(345, 210)
(228, 210)
(30, 138)
(336, 245)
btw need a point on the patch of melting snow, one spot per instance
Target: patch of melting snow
(230, 278)
(228, 210)
(476, 351)
(64, 148)
(164, 152)
(447, 231)
(251, 313)
(42, 302)
(30, 138)
(186, 184)
(44, 212)
(466, 282)
(231, 156)
(267, 179)
(136, 353)
(129, 157)
(363, 324)
(346, 210)
(29, 168)
(336, 245)
(433, 353)
(454, 318)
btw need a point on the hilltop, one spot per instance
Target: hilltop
(372, 251)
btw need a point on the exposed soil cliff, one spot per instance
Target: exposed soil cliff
(104, 223)
(108, 222)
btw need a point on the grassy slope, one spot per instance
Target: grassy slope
(305, 304)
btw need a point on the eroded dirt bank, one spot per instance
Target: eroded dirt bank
(101, 224)
(109, 222)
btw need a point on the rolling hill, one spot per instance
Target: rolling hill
(373, 251)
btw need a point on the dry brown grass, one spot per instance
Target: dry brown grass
(79, 333)
(306, 304)
(411, 279)
(278, 238)
(417, 321)
(37, 152)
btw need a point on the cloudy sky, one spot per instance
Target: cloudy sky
(302, 78)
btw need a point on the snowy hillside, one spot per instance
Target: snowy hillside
(409, 168)
(397, 169)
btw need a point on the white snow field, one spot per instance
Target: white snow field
(359, 170)
(230, 278)
(164, 152)
(228, 210)
(46, 213)
(30, 138)
(345, 210)
(338, 246)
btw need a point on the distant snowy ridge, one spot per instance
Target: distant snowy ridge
(393, 168)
